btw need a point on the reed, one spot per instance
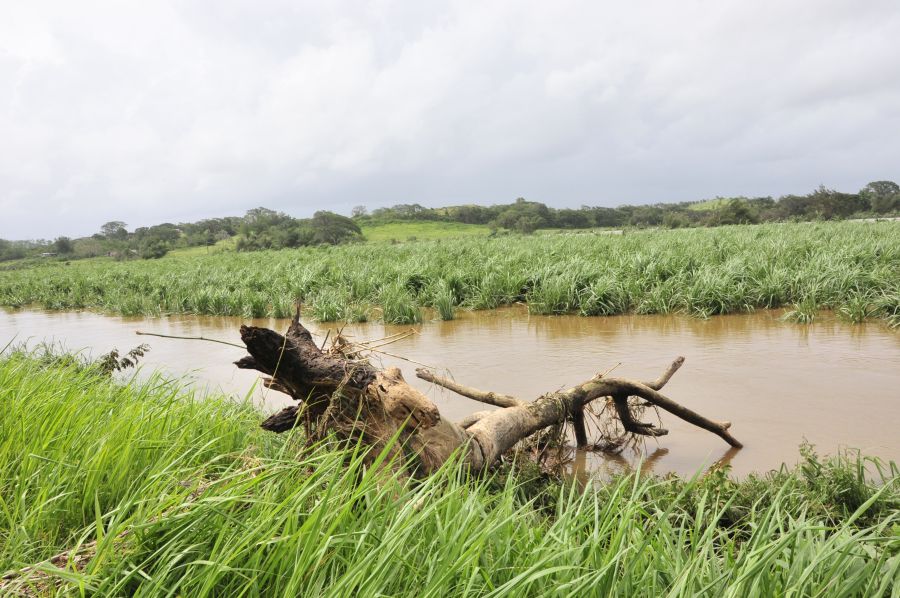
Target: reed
(851, 268)
(161, 493)
(803, 312)
(443, 300)
(399, 305)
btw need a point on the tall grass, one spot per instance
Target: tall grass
(168, 495)
(443, 300)
(399, 305)
(850, 268)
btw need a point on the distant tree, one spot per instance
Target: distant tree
(883, 196)
(114, 229)
(675, 220)
(736, 211)
(882, 204)
(63, 246)
(646, 215)
(527, 224)
(881, 188)
(9, 251)
(566, 218)
(153, 249)
(332, 228)
(89, 247)
(359, 212)
(259, 214)
(524, 214)
(830, 204)
(259, 218)
(608, 216)
(471, 214)
(414, 211)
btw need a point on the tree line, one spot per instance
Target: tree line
(259, 228)
(878, 198)
(262, 228)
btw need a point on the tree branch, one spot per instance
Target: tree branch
(632, 425)
(607, 387)
(667, 375)
(491, 398)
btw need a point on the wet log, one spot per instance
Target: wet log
(338, 393)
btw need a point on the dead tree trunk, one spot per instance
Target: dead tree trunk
(337, 393)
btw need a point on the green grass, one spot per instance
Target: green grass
(850, 268)
(406, 231)
(170, 495)
(219, 247)
(709, 204)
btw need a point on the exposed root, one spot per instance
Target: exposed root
(338, 392)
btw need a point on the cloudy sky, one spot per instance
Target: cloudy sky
(178, 110)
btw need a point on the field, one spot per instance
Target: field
(220, 247)
(709, 204)
(850, 268)
(406, 230)
(143, 489)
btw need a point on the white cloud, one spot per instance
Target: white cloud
(152, 111)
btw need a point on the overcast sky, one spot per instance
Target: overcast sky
(153, 111)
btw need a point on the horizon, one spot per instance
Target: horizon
(131, 228)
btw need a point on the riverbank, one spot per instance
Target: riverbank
(144, 489)
(850, 268)
(779, 383)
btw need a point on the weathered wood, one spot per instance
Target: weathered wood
(483, 396)
(351, 398)
(578, 425)
(629, 424)
(284, 420)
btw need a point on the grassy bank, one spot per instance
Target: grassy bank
(851, 268)
(154, 493)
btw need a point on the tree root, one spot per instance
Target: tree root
(339, 393)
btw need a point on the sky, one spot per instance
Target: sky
(173, 111)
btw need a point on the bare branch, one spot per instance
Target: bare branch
(581, 439)
(491, 398)
(632, 425)
(611, 387)
(667, 375)
(189, 338)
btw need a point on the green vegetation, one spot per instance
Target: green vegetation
(396, 231)
(851, 268)
(262, 228)
(709, 204)
(878, 198)
(147, 490)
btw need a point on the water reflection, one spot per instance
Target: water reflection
(587, 466)
(779, 383)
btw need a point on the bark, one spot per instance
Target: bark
(338, 393)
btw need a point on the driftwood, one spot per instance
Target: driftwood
(336, 392)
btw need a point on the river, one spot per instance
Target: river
(833, 384)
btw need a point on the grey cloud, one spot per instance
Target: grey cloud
(152, 111)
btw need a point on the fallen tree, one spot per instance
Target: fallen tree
(337, 391)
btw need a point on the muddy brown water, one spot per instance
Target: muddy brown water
(833, 384)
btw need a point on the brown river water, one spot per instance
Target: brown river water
(836, 385)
